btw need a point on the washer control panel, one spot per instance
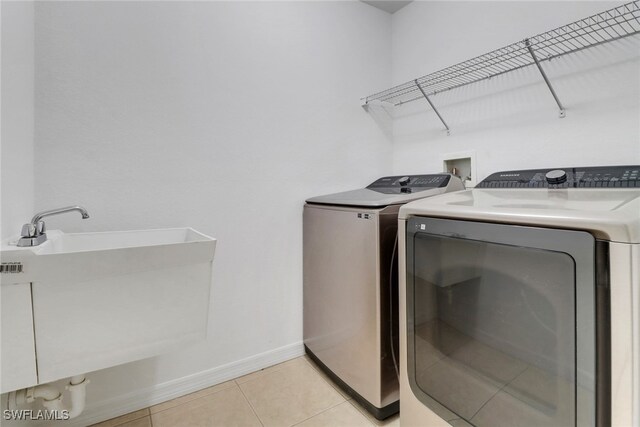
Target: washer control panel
(587, 177)
(408, 183)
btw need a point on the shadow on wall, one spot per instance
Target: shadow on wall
(383, 114)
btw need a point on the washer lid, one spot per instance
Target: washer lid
(392, 190)
(611, 214)
(370, 198)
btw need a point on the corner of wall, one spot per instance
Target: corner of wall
(17, 115)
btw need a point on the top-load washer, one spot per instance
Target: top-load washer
(519, 301)
(350, 306)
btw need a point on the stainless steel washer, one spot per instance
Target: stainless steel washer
(349, 302)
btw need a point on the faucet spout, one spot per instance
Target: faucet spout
(38, 217)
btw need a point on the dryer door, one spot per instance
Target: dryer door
(501, 322)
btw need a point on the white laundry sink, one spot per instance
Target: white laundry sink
(59, 242)
(102, 299)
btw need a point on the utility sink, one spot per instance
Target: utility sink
(103, 299)
(84, 242)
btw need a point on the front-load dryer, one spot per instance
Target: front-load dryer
(350, 304)
(519, 301)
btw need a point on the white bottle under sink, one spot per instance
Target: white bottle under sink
(88, 301)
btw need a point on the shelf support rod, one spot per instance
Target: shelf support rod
(432, 106)
(527, 43)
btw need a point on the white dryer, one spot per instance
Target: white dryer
(519, 301)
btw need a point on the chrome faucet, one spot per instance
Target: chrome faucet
(34, 233)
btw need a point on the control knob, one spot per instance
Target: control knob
(556, 176)
(404, 180)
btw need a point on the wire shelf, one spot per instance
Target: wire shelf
(604, 27)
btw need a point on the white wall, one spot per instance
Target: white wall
(225, 117)
(16, 149)
(512, 121)
(217, 115)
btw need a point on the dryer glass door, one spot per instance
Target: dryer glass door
(501, 322)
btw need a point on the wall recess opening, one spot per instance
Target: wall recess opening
(463, 165)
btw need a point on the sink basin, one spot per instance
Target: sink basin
(58, 242)
(88, 256)
(107, 298)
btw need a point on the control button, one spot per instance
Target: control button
(556, 176)
(404, 180)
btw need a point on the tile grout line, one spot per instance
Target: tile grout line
(496, 393)
(318, 373)
(485, 403)
(362, 412)
(235, 382)
(315, 371)
(321, 412)
(270, 368)
(326, 378)
(336, 388)
(250, 405)
(188, 401)
(515, 378)
(133, 419)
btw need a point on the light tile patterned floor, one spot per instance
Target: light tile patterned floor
(293, 393)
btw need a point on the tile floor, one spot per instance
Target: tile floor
(485, 385)
(293, 393)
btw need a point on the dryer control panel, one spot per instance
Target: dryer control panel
(587, 177)
(409, 183)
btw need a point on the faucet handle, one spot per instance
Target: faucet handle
(28, 230)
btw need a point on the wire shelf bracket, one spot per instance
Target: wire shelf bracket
(435, 110)
(612, 24)
(527, 43)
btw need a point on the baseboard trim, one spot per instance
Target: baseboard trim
(138, 399)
